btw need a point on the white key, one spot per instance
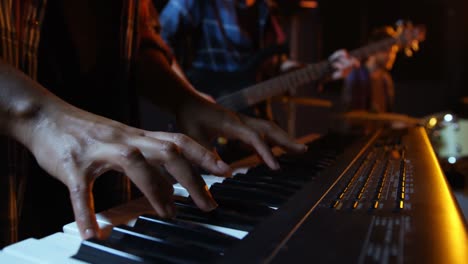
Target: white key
(129, 212)
(11, 259)
(67, 243)
(225, 230)
(123, 214)
(37, 251)
(209, 180)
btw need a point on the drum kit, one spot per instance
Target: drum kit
(448, 134)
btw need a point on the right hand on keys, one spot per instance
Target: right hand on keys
(76, 147)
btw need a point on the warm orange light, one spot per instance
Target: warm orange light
(455, 236)
(308, 4)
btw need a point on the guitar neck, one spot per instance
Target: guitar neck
(366, 51)
(285, 82)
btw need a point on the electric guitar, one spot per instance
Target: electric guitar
(231, 95)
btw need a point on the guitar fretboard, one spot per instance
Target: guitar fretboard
(285, 82)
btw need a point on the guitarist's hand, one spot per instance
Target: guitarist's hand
(204, 121)
(342, 64)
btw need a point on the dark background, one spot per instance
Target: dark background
(431, 81)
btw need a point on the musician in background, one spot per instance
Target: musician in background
(87, 54)
(370, 87)
(224, 36)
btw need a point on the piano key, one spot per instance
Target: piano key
(12, 259)
(179, 190)
(177, 230)
(254, 195)
(96, 251)
(244, 207)
(240, 234)
(37, 251)
(219, 217)
(132, 241)
(130, 216)
(260, 185)
(232, 206)
(296, 175)
(288, 183)
(116, 216)
(171, 250)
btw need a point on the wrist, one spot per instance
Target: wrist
(27, 117)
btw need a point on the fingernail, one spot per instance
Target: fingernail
(212, 204)
(276, 165)
(223, 166)
(89, 233)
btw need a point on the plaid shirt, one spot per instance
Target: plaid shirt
(21, 50)
(213, 52)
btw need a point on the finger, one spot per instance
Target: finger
(338, 65)
(197, 134)
(275, 135)
(251, 138)
(193, 151)
(183, 172)
(337, 54)
(132, 162)
(83, 208)
(170, 156)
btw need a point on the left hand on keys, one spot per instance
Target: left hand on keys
(204, 121)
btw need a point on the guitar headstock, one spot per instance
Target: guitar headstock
(408, 36)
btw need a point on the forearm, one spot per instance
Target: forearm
(22, 103)
(159, 82)
(156, 79)
(178, 70)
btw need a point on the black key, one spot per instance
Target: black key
(220, 217)
(134, 241)
(283, 181)
(97, 251)
(260, 185)
(305, 163)
(244, 208)
(254, 195)
(298, 175)
(176, 230)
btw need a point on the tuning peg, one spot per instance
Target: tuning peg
(400, 23)
(415, 45)
(408, 52)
